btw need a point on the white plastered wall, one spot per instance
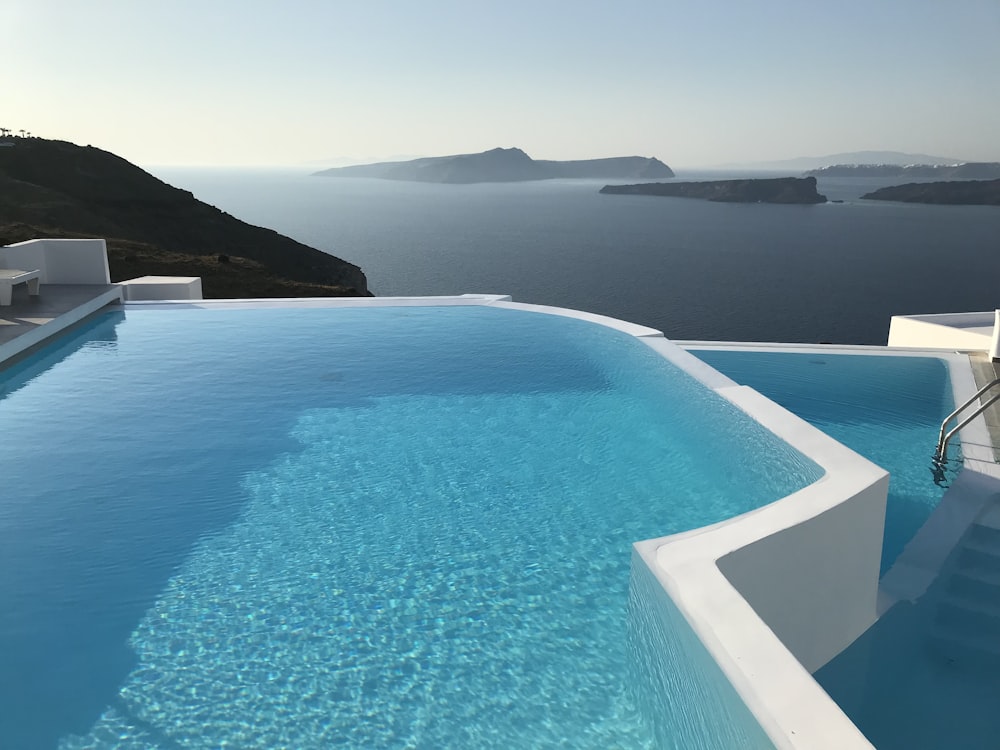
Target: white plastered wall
(60, 261)
(951, 331)
(776, 593)
(162, 288)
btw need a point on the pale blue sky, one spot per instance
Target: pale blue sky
(693, 83)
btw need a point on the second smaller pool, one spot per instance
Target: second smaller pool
(887, 408)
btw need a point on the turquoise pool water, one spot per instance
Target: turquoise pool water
(887, 408)
(381, 527)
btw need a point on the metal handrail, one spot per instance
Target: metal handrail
(943, 439)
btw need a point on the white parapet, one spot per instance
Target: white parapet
(60, 261)
(951, 331)
(159, 288)
(777, 592)
(995, 339)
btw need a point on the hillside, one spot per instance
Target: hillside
(504, 165)
(58, 189)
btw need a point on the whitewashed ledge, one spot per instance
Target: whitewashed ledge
(58, 307)
(161, 288)
(775, 593)
(951, 331)
(323, 302)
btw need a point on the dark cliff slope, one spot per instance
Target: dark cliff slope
(61, 189)
(964, 192)
(504, 165)
(774, 190)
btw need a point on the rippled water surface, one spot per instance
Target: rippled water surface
(388, 527)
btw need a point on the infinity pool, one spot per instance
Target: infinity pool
(371, 527)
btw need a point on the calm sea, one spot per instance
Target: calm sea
(693, 269)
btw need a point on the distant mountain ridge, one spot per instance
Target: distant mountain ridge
(967, 171)
(504, 165)
(802, 163)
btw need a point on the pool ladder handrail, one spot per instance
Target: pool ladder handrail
(943, 439)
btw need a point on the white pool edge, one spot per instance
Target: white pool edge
(771, 593)
(53, 328)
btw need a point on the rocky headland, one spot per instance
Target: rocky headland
(964, 171)
(769, 190)
(58, 189)
(961, 192)
(504, 165)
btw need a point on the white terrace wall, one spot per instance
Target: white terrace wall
(951, 331)
(60, 261)
(157, 288)
(814, 583)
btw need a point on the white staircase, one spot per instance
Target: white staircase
(965, 630)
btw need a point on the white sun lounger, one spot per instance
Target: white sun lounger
(9, 277)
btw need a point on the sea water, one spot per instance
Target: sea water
(693, 269)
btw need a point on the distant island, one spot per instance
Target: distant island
(504, 165)
(771, 190)
(801, 163)
(963, 192)
(55, 189)
(965, 171)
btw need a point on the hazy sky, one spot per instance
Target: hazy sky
(694, 83)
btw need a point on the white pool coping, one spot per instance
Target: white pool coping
(826, 537)
(50, 329)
